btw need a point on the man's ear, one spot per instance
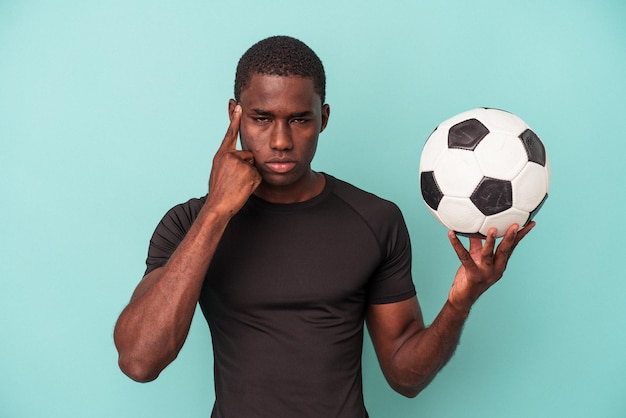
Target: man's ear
(325, 116)
(232, 103)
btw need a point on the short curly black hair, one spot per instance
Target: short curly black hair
(282, 56)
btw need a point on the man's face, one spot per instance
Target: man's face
(282, 118)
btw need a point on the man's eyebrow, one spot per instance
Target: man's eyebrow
(262, 112)
(306, 113)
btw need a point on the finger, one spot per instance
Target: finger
(490, 243)
(522, 233)
(230, 139)
(246, 156)
(476, 247)
(503, 252)
(461, 252)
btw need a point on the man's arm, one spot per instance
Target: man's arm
(411, 354)
(152, 329)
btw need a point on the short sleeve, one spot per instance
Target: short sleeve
(392, 281)
(170, 232)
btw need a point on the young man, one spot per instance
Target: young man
(287, 264)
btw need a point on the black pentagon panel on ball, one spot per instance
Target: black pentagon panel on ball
(467, 134)
(430, 190)
(534, 147)
(493, 196)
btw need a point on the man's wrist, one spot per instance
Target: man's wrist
(459, 309)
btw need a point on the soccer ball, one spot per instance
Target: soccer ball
(484, 168)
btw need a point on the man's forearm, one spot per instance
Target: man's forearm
(428, 350)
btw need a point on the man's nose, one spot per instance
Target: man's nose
(281, 137)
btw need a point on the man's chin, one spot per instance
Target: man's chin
(292, 185)
(277, 181)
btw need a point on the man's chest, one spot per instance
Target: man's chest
(290, 260)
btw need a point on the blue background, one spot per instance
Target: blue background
(110, 113)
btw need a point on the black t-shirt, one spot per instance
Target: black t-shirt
(285, 298)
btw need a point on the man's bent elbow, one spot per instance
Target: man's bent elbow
(137, 370)
(407, 391)
(410, 385)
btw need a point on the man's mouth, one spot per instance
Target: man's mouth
(280, 167)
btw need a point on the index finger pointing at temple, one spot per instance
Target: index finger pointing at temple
(230, 139)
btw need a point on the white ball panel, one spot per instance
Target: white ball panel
(503, 220)
(437, 217)
(457, 173)
(530, 187)
(435, 145)
(500, 121)
(460, 214)
(501, 155)
(548, 174)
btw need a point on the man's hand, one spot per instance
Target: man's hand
(481, 267)
(233, 175)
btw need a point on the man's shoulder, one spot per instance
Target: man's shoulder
(375, 210)
(185, 212)
(383, 217)
(360, 198)
(193, 204)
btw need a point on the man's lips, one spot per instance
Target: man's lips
(280, 166)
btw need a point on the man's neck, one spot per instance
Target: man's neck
(305, 189)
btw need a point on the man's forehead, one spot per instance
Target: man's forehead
(263, 87)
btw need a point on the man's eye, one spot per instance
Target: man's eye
(300, 121)
(261, 119)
